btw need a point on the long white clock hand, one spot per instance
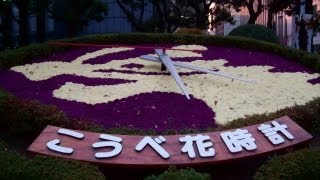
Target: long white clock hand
(183, 65)
(165, 59)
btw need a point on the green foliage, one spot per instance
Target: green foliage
(183, 174)
(311, 60)
(22, 116)
(254, 31)
(16, 166)
(131, 131)
(14, 57)
(303, 164)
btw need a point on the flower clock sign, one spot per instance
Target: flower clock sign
(188, 149)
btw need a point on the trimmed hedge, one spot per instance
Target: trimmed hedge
(15, 166)
(189, 31)
(303, 164)
(255, 31)
(182, 174)
(14, 57)
(9, 58)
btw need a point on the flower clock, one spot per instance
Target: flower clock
(115, 88)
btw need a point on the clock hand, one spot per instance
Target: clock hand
(212, 72)
(156, 59)
(165, 59)
(150, 58)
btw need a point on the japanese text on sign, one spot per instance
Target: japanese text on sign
(236, 141)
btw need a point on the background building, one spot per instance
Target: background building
(316, 34)
(284, 25)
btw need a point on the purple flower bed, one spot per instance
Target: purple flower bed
(314, 81)
(157, 110)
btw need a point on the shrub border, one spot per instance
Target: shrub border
(255, 31)
(301, 164)
(14, 165)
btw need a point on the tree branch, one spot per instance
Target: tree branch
(142, 10)
(130, 16)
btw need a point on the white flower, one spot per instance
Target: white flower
(98, 53)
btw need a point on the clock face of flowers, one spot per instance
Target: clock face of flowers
(114, 87)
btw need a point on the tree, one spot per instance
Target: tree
(275, 6)
(166, 16)
(254, 12)
(39, 8)
(303, 35)
(76, 14)
(131, 8)
(171, 14)
(316, 23)
(6, 23)
(23, 21)
(201, 10)
(220, 13)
